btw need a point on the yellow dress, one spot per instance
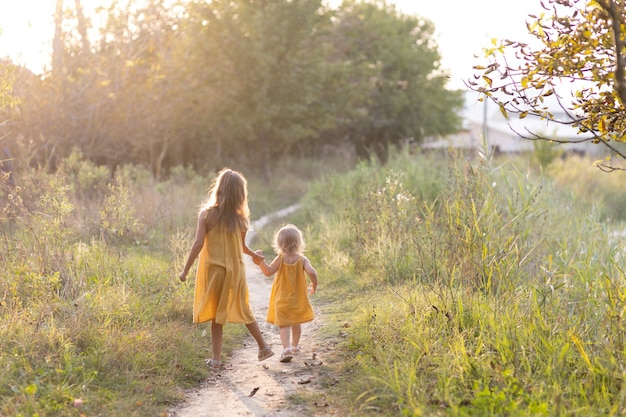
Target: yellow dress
(289, 300)
(221, 290)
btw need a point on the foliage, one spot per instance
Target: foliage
(94, 320)
(209, 84)
(394, 59)
(503, 303)
(490, 292)
(86, 179)
(581, 49)
(7, 78)
(545, 153)
(271, 69)
(577, 175)
(85, 319)
(117, 216)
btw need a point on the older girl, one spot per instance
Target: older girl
(221, 290)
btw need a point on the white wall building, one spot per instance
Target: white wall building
(483, 123)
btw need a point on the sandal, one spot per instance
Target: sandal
(295, 349)
(286, 356)
(265, 353)
(213, 364)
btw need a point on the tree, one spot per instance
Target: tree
(138, 83)
(267, 64)
(396, 63)
(6, 102)
(20, 120)
(7, 78)
(581, 47)
(112, 96)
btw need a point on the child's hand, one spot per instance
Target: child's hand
(257, 259)
(312, 289)
(182, 276)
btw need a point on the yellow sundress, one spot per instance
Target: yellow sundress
(221, 290)
(289, 300)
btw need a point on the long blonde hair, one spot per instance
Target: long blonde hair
(228, 196)
(288, 240)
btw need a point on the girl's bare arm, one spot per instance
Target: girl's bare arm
(312, 274)
(256, 257)
(270, 269)
(196, 247)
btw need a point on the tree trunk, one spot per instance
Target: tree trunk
(57, 43)
(82, 28)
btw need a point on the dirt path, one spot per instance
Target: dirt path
(246, 387)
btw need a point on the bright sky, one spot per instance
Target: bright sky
(463, 28)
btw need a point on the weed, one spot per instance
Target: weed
(502, 302)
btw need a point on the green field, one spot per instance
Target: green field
(491, 288)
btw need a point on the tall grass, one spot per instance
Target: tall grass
(93, 320)
(90, 315)
(494, 293)
(580, 176)
(466, 287)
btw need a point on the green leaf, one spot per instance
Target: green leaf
(30, 389)
(504, 112)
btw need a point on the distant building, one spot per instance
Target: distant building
(484, 124)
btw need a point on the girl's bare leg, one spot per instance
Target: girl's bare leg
(216, 340)
(285, 336)
(296, 329)
(255, 331)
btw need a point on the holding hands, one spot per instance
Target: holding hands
(260, 257)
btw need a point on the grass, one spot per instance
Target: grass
(448, 286)
(94, 320)
(482, 290)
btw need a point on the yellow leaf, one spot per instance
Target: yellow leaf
(581, 350)
(524, 82)
(31, 389)
(504, 112)
(487, 80)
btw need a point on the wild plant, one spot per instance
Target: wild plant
(84, 317)
(512, 306)
(86, 179)
(118, 221)
(580, 175)
(388, 230)
(43, 241)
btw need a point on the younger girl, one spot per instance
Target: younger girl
(289, 303)
(221, 290)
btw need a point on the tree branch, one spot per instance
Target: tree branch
(594, 137)
(620, 76)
